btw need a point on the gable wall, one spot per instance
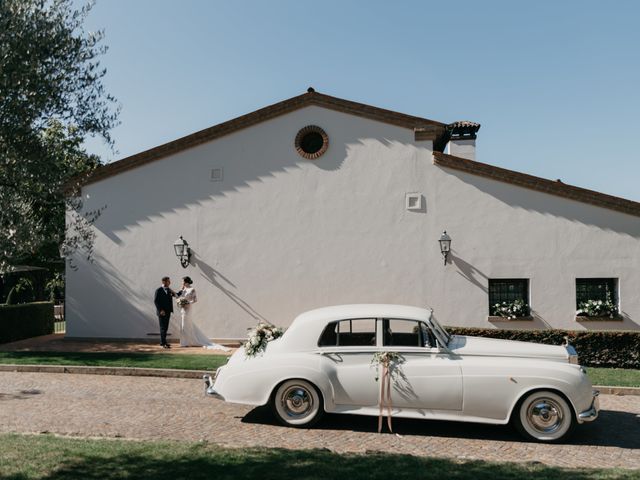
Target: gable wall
(279, 235)
(282, 234)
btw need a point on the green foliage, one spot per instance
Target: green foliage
(112, 359)
(22, 292)
(51, 99)
(614, 377)
(18, 322)
(55, 458)
(617, 349)
(55, 287)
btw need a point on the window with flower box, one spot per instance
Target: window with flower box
(509, 298)
(597, 297)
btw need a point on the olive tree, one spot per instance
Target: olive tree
(52, 98)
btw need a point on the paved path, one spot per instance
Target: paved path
(163, 408)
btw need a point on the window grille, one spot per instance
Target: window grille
(596, 289)
(507, 290)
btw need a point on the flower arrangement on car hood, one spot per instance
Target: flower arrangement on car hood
(259, 336)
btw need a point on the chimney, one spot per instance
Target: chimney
(462, 139)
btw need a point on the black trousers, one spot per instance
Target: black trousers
(164, 326)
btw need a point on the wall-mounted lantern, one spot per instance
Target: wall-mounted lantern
(183, 252)
(445, 245)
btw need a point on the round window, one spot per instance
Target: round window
(311, 142)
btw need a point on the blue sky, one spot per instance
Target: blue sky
(555, 84)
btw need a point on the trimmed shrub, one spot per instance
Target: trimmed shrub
(22, 292)
(28, 320)
(608, 348)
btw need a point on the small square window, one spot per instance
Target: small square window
(597, 297)
(217, 174)
(413, 201)
(509, 297)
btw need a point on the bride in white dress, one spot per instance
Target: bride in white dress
(190, 334)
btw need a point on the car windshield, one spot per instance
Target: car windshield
(442, 335)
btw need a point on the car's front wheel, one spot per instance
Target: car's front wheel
(297, 403)
(544, 416)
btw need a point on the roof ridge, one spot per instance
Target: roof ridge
(246, 120)
(539, 184)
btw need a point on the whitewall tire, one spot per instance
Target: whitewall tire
(544, 416)
(297, 403)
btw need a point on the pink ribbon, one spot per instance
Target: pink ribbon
(385, 396)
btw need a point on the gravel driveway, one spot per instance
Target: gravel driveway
(172, 408)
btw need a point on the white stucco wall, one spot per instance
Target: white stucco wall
(281, 234)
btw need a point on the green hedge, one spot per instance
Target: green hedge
(25, 321)
(617, 349)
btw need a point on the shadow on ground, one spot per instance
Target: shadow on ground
(23, 395)
(611, 429)
(51, 458)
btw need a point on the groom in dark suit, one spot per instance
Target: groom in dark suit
(163, 301)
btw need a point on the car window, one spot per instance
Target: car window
(443, 336)
(406, 333)
(349, 333)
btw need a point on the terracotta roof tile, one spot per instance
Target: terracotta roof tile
(552, 187)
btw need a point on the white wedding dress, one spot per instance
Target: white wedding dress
(190, 334)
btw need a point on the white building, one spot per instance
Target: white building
(275, 231)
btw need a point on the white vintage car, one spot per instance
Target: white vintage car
(323, 363)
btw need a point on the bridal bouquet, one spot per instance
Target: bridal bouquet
(259, 336)
(182, 302)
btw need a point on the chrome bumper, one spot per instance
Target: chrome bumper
(592, 413)
(209, 391)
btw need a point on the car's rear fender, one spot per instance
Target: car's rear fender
(254, 385)
(318, 379)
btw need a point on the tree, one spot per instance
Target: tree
(52, 98)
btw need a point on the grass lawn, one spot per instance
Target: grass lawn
(617, 377)
(53, 458)
(599, 376)
(143, 360)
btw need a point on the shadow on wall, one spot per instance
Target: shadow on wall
(222, 283)
(469, 272)
(108, 306)
(251, 165)
(537, 323)
(480, 280)
(626, 324)
(552, 205)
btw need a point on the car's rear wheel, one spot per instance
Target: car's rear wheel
(544, 416)
(297, 403)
